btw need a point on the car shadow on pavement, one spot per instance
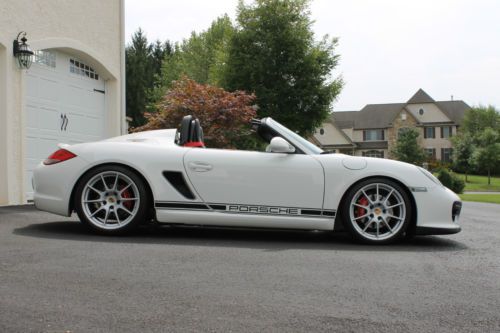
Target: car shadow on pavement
(271, 240)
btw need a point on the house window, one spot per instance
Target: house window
(46, 58)
(321, 131)
(446, 132)
(373, 135)
(429, 132)
(446, 155)
(374, 153)
(421, 112)
(403, 116)
(79, 68)
(431, 153)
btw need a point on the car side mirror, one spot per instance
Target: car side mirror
(280, 145)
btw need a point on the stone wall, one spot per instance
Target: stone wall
(403, 119)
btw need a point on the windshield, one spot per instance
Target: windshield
(295, 138)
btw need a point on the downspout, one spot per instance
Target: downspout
(123, 100)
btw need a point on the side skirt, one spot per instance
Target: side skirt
(216, 214)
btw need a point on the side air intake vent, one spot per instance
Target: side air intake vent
(176, 179)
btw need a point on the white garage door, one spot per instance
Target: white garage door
(64, 103)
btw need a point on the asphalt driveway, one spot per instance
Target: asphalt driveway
(55, 276)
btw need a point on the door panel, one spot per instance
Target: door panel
(255, 178)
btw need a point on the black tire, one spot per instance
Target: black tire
(365, 217)
(140, 208)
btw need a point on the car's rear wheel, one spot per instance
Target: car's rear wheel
(377, 211)
(111, 200)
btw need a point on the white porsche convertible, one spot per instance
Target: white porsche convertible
(169, 176)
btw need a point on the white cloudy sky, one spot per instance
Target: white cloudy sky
(388, 48)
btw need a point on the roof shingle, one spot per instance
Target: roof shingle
(374, 116)
(455, 110)
(420, 97)
(371, 116)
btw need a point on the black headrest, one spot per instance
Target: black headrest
(196, 131)
(184, 130)
(190, 130)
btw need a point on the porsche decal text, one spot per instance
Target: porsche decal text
(263, 209)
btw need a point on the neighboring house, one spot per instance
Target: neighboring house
(74, 90)
(373, 131)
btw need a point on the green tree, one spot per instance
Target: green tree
(202, 57)
(143, 62)
(407, 148)
(480, 126)
(486, 157)
(159, 52)
(273, 54)
(463, 148)
(479, 118)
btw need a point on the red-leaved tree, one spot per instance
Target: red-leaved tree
(224, 116)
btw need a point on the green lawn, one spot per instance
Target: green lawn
(480, 183)
(491, 198)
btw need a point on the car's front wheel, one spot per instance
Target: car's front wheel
(111, 200)
(377, 211)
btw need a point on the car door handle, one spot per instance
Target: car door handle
(199, 166)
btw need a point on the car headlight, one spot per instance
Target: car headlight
(430, 176)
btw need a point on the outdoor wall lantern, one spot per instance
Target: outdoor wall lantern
(22, 51)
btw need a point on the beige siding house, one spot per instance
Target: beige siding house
(373, 131)
(74, 90)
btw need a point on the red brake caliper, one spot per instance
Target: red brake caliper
(128, 203)
(361, 211)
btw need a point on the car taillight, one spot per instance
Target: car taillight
(59, 156)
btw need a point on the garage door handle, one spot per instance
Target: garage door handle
(200, 166)
(64, 122)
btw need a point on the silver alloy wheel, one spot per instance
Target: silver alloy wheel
(110, 200)
(377, 211)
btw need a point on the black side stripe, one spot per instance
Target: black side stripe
(218, 207)
(311, 212)
(247, 209)
(180, 205)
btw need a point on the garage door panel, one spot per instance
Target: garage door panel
(49, 119)
(31, 116)
(76, 124)
(51, 94)
(46, 146)
(31, 147)
(97, 101)
(38, 148)
(94, 126)
(48, 90)
(76, 96)
(76, 141)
